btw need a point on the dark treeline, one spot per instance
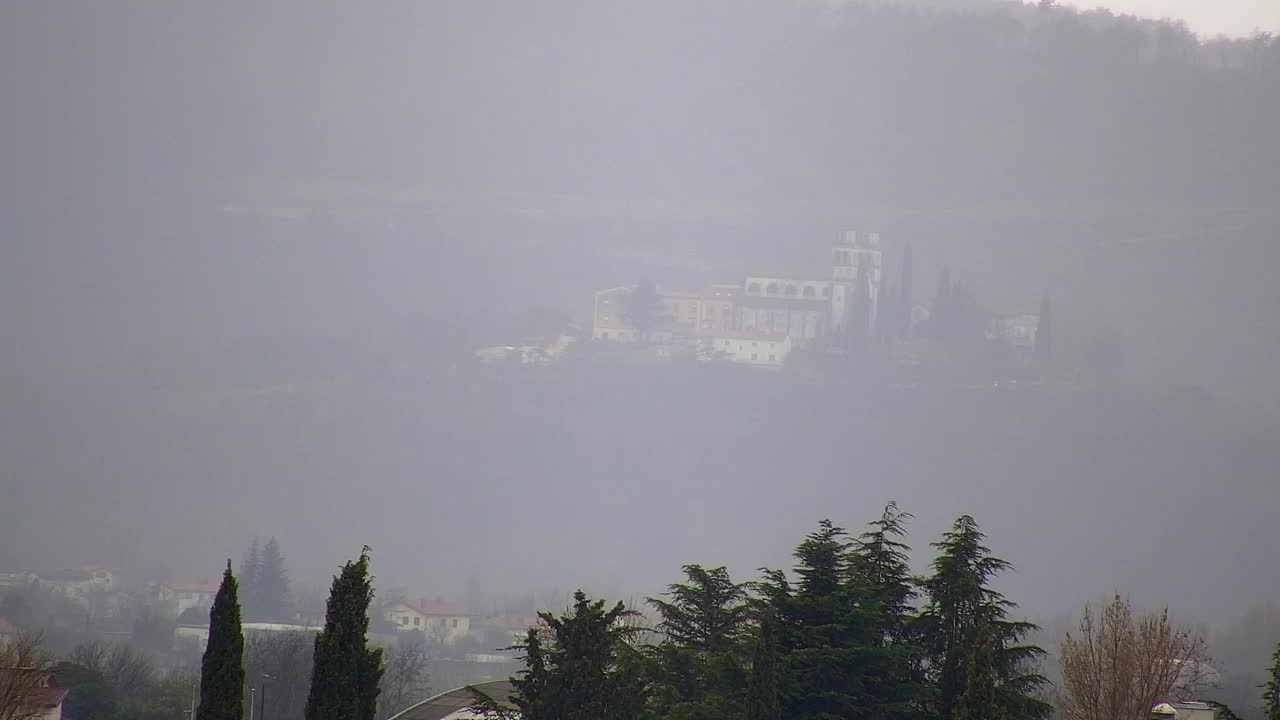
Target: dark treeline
(724, 103)
(849, 633)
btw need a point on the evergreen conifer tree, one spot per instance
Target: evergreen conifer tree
(880, 568)
(979, 699)
(702, 660)
(642, 307)
(581, 668)
(250, 567)
(940, 315)
(764, 701)
(906, 293)
(959, 594)
(346, 671)
(1271, 693)
(825, 631)
(272, 585)
(222, 667)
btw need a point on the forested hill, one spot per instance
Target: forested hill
(663, 106)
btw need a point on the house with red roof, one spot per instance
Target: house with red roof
(187, 595)
(37, 699)
(442, 621)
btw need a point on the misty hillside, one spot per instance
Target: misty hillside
(249, 251)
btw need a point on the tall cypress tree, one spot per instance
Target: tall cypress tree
(763, 699)
(906, 292)
(940, 316)
(1271, 694)
(222, 667)
(346, 671)
(1044, 330)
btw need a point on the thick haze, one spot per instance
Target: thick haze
(246, 249)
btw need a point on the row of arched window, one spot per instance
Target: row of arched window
(788, 290)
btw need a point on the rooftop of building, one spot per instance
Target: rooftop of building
(435, 606)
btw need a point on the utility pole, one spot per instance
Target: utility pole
(252, 691)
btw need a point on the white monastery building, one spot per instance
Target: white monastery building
(762, 319)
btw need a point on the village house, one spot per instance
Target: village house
(38, 700)
(183, 596)
(442, 622)
(78, 584)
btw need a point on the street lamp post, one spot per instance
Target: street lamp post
(262, 709)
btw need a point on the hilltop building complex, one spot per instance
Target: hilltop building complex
(760, 320)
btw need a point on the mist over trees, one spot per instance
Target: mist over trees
(249, 252)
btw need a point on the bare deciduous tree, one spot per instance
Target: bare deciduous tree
(24, 672)
(131, 673)
(404, 679)
(1117, 666)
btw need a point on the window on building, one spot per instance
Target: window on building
(753, 356)
(790, 291)
(404, 620)
(417, 621)
(753, 289)
(453, 622)
(772, 289)
(807, 291)
(826, 291)
(773, 358)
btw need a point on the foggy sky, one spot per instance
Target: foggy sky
(245, 248)
(1220, 17)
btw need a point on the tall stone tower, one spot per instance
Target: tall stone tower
(855, 256)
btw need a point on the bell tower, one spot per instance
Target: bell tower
(857, 255)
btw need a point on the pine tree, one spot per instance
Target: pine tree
(880, 563)
(880, 569)
(763, 696)
(701, 661)
(825, 631)
(1271, 695)
(959, 595)
(346, 671)
(642, 307)
(706, 614)
(581, 668)
(272, 585)
(250, 567)
(979, 699)
(222, 667)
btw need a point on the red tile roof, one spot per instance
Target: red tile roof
(7, 628)
(45, 697)
(436, 606)
(196, 587)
